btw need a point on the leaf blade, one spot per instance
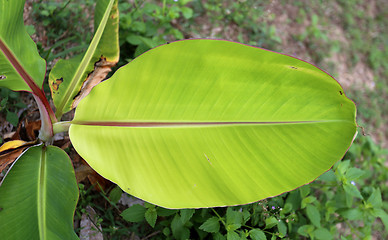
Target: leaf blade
(218, 116)
(21, 67)
(39, 195)
(211, 225)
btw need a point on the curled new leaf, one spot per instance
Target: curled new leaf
(72, 79)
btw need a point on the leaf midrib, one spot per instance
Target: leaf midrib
(13, 60)
(191, 124)
(42, 195)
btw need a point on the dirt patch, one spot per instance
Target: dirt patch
(356, 78)
(289, 27)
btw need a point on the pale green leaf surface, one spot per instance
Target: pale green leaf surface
(38, 197)
(14, 37)
(270, 123)
(68, 76)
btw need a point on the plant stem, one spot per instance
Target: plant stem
(46, 112)
(46, 129)
(61, 127)
(221, 219)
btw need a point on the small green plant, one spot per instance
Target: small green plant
(59, 18)
(145, 25)
(245, 21)
(9, 105)
(189, 124)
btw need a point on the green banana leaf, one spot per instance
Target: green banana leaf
(72, 79)
(21, 67)
(204, 123)
(39, 195)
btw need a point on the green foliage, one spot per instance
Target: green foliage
(342, 203)
(10, 104)
(72, 79)
(43, 209)
(315, 36)
(147, 24)
(371, 105)
(366, 30)
(246, 20)
(66, 22)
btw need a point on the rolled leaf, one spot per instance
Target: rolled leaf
(71, 80)
(204, 123)
(21, 67)
(38, 197)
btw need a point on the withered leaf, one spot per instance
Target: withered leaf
(99, 183)
(101, 69)
(26, 130)
(32, 128)
(85, 171)
(82, 172)
(55, 85)
(11, 150)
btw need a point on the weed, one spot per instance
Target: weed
(145, 25)
(10, 104)
(66, 22)
(243, 21)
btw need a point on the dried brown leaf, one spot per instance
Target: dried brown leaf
(32, 128)
(26, 130)
(11, 150)
(101, 69)
(85, 171)
(82, 172)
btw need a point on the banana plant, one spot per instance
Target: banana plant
(190, 124)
